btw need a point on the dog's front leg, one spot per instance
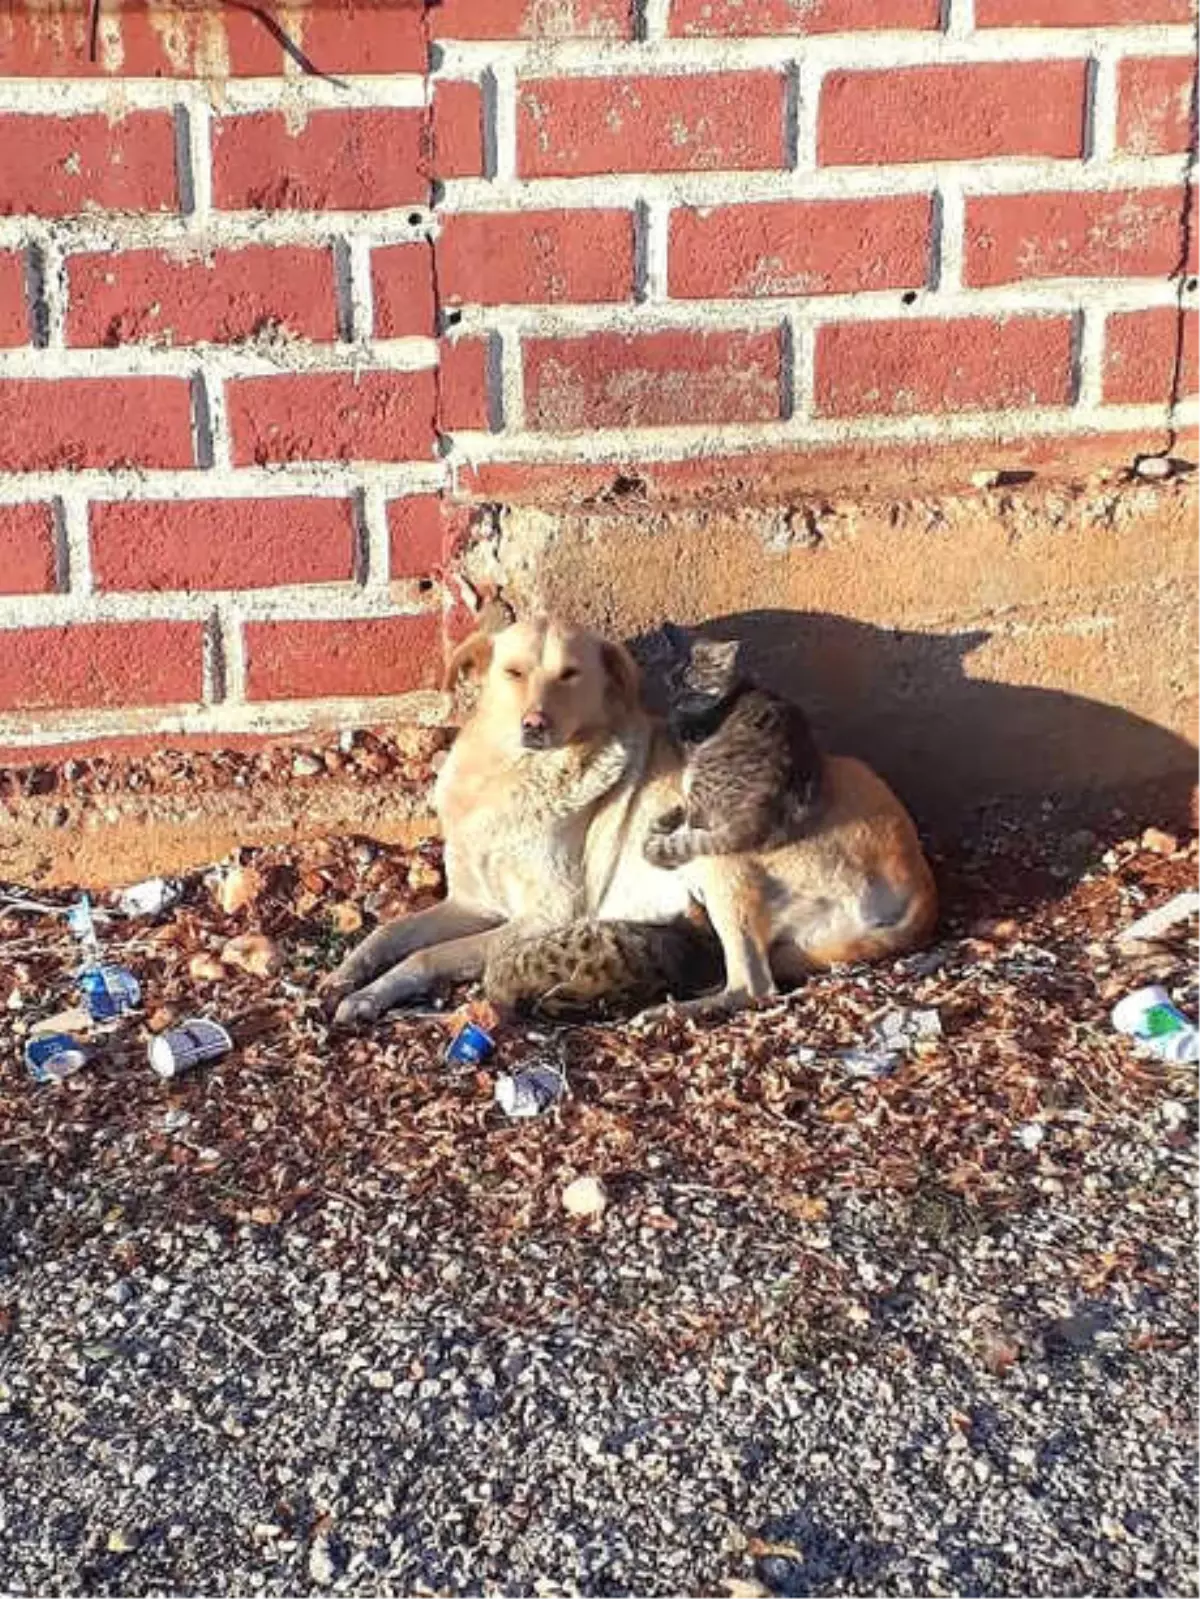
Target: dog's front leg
(390, 944)
(460, 960)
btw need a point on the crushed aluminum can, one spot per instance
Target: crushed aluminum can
(530, 1090)
(869, 1063)
(52, 1056)
(190, 1045)
(109, 991)
(470, 1046)
(901, 1029)
(150, 898)
(82, 923)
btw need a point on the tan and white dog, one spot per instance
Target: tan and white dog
(545, 802)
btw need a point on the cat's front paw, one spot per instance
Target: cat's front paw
(669, 822)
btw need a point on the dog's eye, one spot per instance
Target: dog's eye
(514, 672)
(568, 674)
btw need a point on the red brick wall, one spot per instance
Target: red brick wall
(267, 336)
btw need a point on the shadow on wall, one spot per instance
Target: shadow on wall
(949, 742)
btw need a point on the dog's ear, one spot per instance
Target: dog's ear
(621, 670)
(472, 657)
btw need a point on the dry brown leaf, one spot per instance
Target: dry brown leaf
(239, 886)
(253, 953)
(345, 917)
(205, 968)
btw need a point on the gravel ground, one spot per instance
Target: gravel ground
(315, 1317)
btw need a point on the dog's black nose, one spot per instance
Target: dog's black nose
(535, 732)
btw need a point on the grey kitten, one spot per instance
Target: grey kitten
(752, 770)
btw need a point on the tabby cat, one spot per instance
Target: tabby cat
(752, 771)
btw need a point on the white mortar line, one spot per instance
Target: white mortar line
(545, 58)
(951, 241)
(959, 18)
(73, 521)
(654, 20)
(233, 652)
(30, 729)
(54, 287)
(362, 289)
(654, 225)
(803, 350)
(668, 444)
(196, 183)
(512, 379)
(371, 515)
(1059, 296)
(1011, 175)
(218, 422)
(1090, 358)
(295, 602)
(226, 230)
(222, 361)
(116, 97)
(1102, 109)
(299, 480)
(502, 104)
(807, 91)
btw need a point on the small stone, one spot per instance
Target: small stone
(320, 1562)
(586, 1196)
(307, 766)
(1158, 842)
(422, 874)
(253, 953)
(985, 480)
(205, 968)
(239, 886)
(1030, 1135)
(1152, 466)
(122, 1541)
(345, 917)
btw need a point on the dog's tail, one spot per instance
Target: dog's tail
(599, 969)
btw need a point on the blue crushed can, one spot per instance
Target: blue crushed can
(52, 1056)
(470, 1046)
(109, 991)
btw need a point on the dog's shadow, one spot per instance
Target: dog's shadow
(950, 742)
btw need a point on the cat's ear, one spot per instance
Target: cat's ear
(720, 654)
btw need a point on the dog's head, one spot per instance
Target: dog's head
(546, 684)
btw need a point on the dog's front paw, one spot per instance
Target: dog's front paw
(356, 1010)
(332, 990)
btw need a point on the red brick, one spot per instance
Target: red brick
(402, 280)
(27, 563)
(54, 166)
(337, 160)
(463, 385)
(423, 530)
(800, 247)
(910, 368)
(457, 131)
(14, 312)
(360, 36)
(1078, 13)
(532, 19)
(89, 664)
(952, 113)
(742, 18)
(1140, 352)
(536, 258)
(50, 39)
(332, 416)
(1154, 104)
(221, 544)
(568, 127)
(316, 660)
(146, 296)
(1122, 233)
(612, 380)
(100, 422)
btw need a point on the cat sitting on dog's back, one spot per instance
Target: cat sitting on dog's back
(752, 768)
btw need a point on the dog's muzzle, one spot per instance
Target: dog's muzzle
(535, 733)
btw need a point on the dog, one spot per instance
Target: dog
(555, 728)
(545, 801)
